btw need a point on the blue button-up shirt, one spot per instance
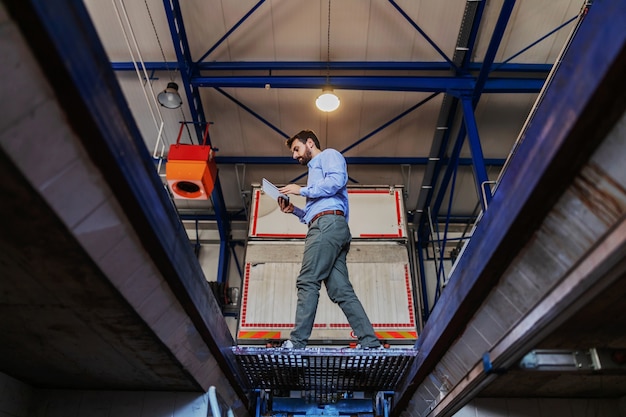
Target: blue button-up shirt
(326, 186)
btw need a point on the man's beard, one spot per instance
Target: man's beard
(306, 157)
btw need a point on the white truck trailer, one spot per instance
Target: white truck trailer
(378, 264)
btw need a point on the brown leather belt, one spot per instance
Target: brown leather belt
(324, 213)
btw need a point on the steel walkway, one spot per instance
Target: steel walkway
(324, 375)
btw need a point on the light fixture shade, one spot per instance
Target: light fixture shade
(327, 101)
(169, 97)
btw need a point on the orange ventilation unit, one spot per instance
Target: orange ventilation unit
(191, 170)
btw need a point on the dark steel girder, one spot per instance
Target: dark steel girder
(452, 85)
(541, 69)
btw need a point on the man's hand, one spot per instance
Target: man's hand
(290, 189)
(284, 205)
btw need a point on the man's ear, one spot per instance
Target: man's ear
(310, 143)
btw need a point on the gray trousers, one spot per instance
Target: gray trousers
(325, 249)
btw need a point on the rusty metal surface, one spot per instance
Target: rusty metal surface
(574, 120)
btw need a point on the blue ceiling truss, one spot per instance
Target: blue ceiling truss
(461, 81)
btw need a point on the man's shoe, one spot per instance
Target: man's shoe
(379, 347)
(287, 344)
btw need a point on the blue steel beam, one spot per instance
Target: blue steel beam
(452, 165)
(423, 284)
(561, 26)
(473, 35)
(351, 160)
(185, 64)
(390, 122)
(469, 127)
(441, 161)
(442, 241)
(498, 67)
(494, 67)
(356, 66)
(492, 49)
(541, 69)
(231, 30)
(480, 88)
(502, 66)
(424, 35)
(454, 85)
(478, 165)
(181, 46)
(253, 113)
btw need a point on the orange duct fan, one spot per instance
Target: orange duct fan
(191, 170)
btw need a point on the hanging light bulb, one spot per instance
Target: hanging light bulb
(327, 101)
(169, 97)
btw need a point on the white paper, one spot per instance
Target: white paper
(271, 190)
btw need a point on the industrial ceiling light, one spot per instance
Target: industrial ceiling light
(327, 101)
(169, 97)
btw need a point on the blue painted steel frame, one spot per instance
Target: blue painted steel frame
(539, 69)
(487, 68)
(480, 172)
(455, 85)
(253, 113)
(468, 113)
(467, 65)
(177, 29)
(442, 241)
(351, 160)
(390, 122)
(494, 44)
(231, 30)
(424, 35)
(587, 96)
(469, 99)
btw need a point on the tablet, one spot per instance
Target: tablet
(271, 190)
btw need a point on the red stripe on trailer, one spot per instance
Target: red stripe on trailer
(275, 235)
(368, 191)
(256, 211)
(244, 304)
(381, 235)
(407, 279)
(398, 213)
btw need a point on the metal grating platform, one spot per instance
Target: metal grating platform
(325, 372)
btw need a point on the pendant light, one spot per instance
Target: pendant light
(327, 101)
(169, 98)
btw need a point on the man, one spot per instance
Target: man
(327, 241)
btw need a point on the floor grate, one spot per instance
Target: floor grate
(325, 373)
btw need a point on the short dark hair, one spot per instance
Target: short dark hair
(302, 136)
